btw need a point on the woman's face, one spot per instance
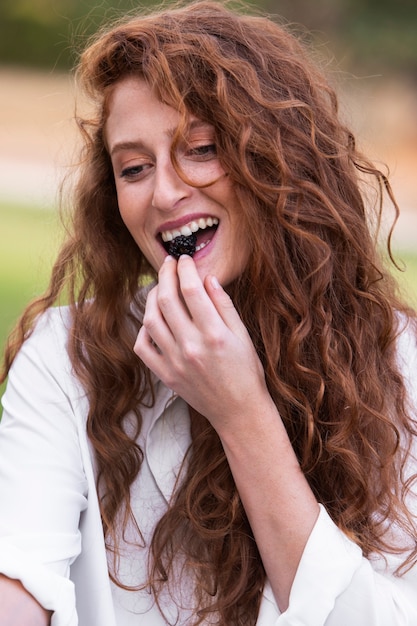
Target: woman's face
(155, 203)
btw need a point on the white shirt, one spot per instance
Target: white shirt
(50, 529)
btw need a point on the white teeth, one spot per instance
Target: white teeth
(203, 245)
(188, 229)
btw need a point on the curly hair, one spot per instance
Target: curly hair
(321, 309)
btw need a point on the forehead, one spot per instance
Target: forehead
(134, 109)
(134, 95)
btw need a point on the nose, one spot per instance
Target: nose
(169, 188)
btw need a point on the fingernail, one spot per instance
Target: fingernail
(168, 258)
(214, 282)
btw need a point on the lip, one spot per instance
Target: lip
(176, 224)
(181, 221)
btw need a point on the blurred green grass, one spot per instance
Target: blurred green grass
(29, 241)
(30, 238)
(407, 277)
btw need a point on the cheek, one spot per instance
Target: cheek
(130, 211)
(203, 174)
(133, 215)
(127, 219)
(223, 193)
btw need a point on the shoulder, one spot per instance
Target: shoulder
(49, 339)
(54, 324)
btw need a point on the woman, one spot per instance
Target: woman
(253, 459)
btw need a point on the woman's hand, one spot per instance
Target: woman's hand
(195, 342)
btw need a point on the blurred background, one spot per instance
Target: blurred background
(369, 48)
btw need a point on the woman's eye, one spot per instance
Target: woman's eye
(134, 171)
(206, 151)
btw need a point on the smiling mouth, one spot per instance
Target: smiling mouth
(190, 238)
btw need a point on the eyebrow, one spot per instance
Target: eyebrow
(138, 144)
(126, 145)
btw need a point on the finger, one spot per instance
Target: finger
(225, 308)
(175, 302)
(170, 300)
(146, 350)
(223, 304)
(155, 325)
(195, 296)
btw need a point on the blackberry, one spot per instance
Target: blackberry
(184, 244)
